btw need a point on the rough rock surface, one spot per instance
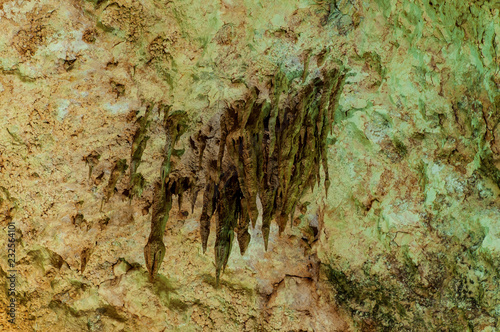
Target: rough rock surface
(103, 101)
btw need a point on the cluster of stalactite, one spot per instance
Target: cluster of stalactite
(269, 148)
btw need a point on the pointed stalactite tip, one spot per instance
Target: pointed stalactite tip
(265, 234)
(154, 252)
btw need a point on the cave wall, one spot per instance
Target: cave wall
(132, 149)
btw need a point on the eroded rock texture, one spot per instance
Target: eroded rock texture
(141, 140)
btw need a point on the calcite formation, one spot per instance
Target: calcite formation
(350, 148)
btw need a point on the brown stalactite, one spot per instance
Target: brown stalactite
(175, 126)
(222, 142)
(242, 233)
(139, 141)
(154, 251)
(206, 214)
(229, 211)
(209, 202)
(167, 186)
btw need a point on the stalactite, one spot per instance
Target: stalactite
(243, 235)
(175, 126)
(154, 251)
(137, 185)
(229, 211)
(139, 141)
(167, 186)
(206, 213)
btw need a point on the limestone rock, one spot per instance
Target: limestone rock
(350, 148)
